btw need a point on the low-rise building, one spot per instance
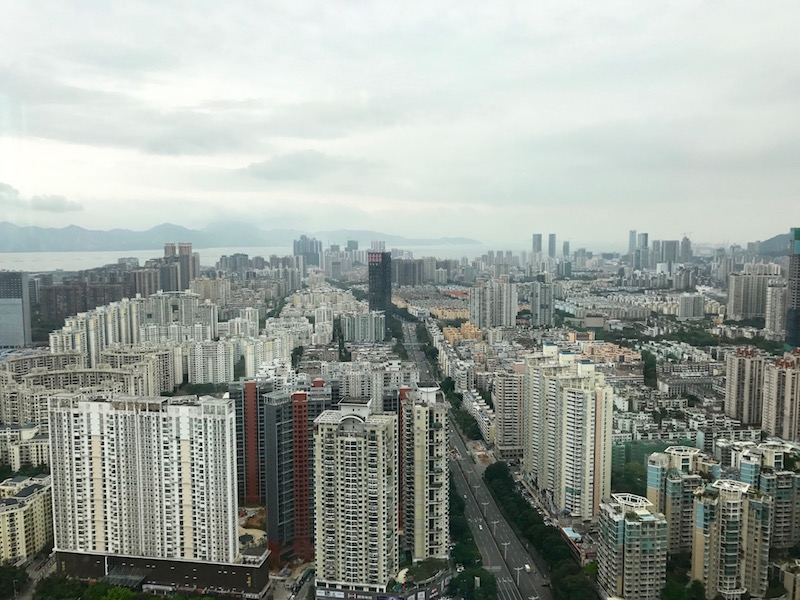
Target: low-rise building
(26, 517)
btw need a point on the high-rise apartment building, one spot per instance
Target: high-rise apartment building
(551, 245)
(507, 398)
(407, 272)
(780, 415)
(691, 306)
(632, 554)
(763, 467)
(672, 478)
(493, 303)
(793, 291)
(356, 498)
(275, 458)
(744, 380)
(364, 327)
(379, 265)
(730, 550)
(178, 267)
(775, 320)
(747, 291)
(567, 432)
(542, 305)
(15, 309)
(425, 473)
(309, 249)
(145, 477)
(211, 362)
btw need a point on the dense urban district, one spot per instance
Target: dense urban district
(358, 424)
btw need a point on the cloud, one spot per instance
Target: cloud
(307, 166)
(11, 198)
(54, 204)
(484, 115)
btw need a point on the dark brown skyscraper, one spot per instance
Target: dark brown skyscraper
(793, 291)
(380, 280)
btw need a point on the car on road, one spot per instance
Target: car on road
(480, 527)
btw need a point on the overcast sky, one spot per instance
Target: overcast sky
(484, 119)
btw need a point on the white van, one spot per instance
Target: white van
(527, 568)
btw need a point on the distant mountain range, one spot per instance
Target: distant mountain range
(776, 245)
(77, 239)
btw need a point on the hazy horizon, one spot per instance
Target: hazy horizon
(480, 245)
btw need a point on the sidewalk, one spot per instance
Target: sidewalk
(35, 574)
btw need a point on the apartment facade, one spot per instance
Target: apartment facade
(747, 291)
(26, 518)
(775, 319)
(425, 474)
(274, 436)
(145, 476)
(744, 380)
(732, 535)
(211, 362)
(672, 478)
(356, 498)
(493, 303)
(507, 398)
(567, 435)
(632, 554)
(764, 467)
(781, 397)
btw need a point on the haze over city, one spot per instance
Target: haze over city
(490, 121)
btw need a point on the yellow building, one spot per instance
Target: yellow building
(610, 353)
(26, 517)
(470, 332)
(449, 313)
(467, 331)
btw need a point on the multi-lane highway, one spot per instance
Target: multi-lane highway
(415, 352)
(490, 552)
(503, 553)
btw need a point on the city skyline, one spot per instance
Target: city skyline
(490, 123)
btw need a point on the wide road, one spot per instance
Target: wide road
(493, 534)
(490, 553)
(415, 352)
(502, 552)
